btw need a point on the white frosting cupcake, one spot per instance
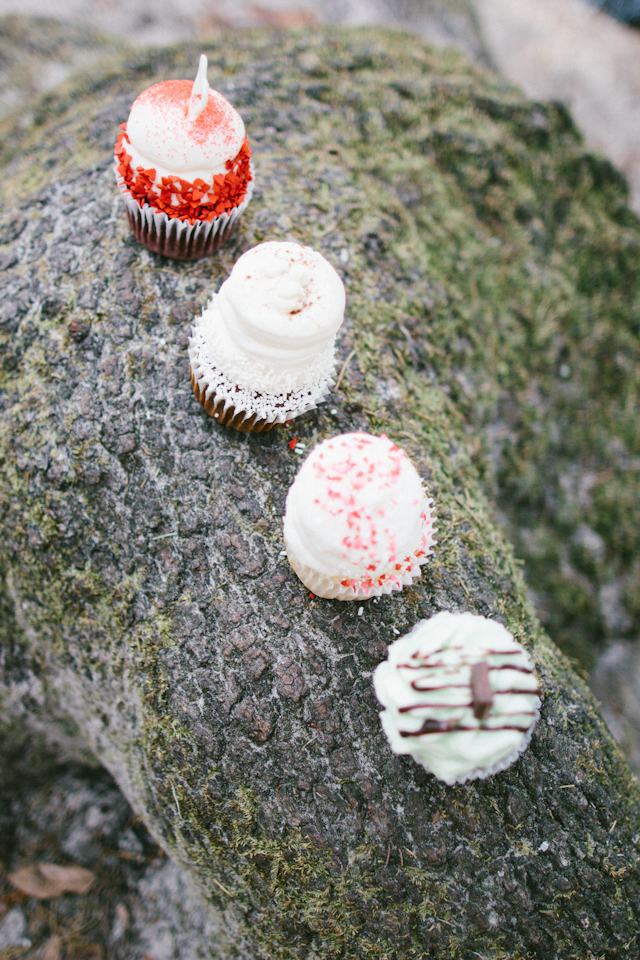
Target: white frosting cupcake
(183, 165)
(460, 696)
(357, 522)
(263, 351)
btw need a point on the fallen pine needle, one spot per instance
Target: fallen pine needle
(344, 367)
(218, 884)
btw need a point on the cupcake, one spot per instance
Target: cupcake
(183, 165)
(357, 522)
(263, 351)
(460, 696)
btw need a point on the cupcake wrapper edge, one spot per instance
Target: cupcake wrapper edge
(176, 238)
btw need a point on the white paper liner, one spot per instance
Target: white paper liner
(274, 408)
(334, 588)
(181, 230)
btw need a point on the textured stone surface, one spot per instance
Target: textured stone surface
(143, 548)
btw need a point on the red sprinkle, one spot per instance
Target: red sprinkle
(193, 201)
(172, 97)
(292, 443)
(312, 595)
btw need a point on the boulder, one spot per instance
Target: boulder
(150, 618)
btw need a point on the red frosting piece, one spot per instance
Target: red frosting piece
(180, 198)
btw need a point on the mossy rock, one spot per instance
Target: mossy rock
(38, 53)
(143, 542)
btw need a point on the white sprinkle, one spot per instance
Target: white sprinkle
(544, 846)
(565, 370)
(244, 376)
(333, 412)
(162, 342)
(397, 632)
(216, 415)
(360, 611)
(300, 446)
(344, 255)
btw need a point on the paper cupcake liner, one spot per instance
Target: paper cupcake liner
(222, 410)
(338, 588)
(179, 239)
(243, 409)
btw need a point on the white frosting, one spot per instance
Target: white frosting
(355, 510)
(426, 681)
(339, 588)
(182, 132)
(138, 160)
(272, 326)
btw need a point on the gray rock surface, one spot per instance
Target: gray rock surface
(142, 550)
(38, 54)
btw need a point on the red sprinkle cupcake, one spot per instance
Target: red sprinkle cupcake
(357, 522)
(183, 165)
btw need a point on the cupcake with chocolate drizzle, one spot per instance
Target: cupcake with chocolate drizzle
(460, 696)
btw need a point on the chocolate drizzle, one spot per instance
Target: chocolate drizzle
(436, 706)
(434, 726)
(483, 697)
(510, 666)
(451, 726)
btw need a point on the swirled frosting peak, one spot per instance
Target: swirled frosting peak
(460, 696)
(356, 509)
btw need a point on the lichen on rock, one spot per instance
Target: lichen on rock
(143, 543)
